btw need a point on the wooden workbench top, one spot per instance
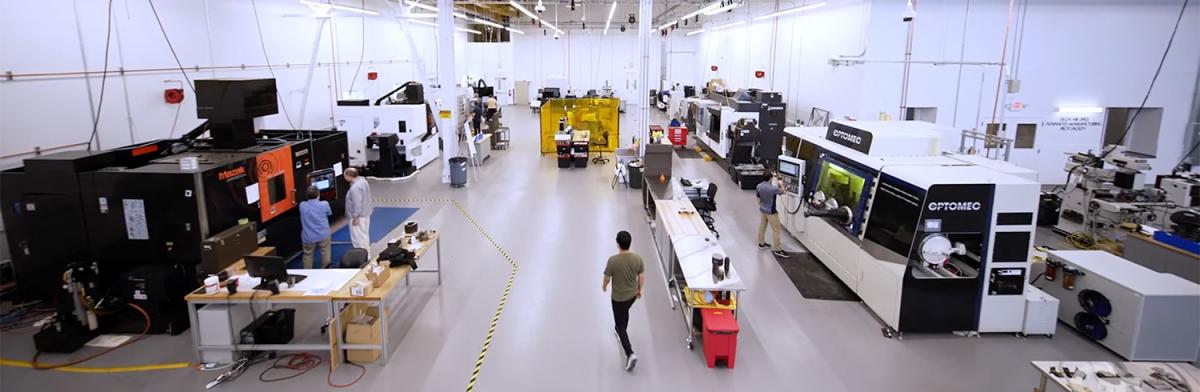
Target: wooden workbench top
(1151, 240)
(680, 218)
(397, 274)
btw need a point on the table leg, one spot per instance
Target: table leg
(336, 328)
(384, 330)
(195, 332)
(439, 261)
(1041, 384)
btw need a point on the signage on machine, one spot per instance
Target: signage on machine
(955, 206)
(231, 173)
(848, 136)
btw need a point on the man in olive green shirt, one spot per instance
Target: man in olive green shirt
(627, 274)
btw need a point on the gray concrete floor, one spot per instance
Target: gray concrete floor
(556, 330)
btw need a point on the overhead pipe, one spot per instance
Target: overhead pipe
(866, 22)
(9, 76)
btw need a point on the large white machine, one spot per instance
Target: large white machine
(931, 243)
(406, 117)
(715, 132)
(1136, 312)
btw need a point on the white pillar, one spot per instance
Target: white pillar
(447, 92)
(643, 71)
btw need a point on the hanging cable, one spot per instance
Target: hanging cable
(171, 47)
(1163, 60)
(263, 43)
(103, 80)
(362, 48)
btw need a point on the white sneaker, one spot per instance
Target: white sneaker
(631, 362)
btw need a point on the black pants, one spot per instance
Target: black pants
(621, 317)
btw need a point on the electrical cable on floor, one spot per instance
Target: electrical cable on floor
(299, 363)
(263, 43)
(103, 80)
(329, 376)
(1153, 80)
(145, 330)
(1081, 240)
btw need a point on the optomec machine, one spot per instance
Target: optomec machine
(930, 243)
(129, 224)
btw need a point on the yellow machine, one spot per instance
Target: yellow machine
(600, 116)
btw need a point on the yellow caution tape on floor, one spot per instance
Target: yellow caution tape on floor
(118, 369)
(487, 341)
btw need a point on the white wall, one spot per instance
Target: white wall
(42, 37)
(1101, 53)
(586, 58)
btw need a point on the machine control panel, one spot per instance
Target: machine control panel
(1006, 281)
(790, 170)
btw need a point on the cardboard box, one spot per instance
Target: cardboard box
(361, 332)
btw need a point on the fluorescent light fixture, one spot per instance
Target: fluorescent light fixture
(664, 27)
(523, 9)
(728, 25)
(792, 10)
(722, 9)
(551, 26)
(706, 8)
(431, 24)
(1080, 109)
(489, 23)
(611, 10)
(695, 32)
(421, 6)
(339, 7)
(427, 23)
(461, 15)
(512, 30)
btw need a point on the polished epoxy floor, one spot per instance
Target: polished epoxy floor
(555, 333)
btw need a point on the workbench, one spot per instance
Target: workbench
(325, 289)
(313, 293)
(685, 249)
(1150, 253)
(382, 297)
(1086, 377)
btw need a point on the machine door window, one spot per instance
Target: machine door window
(276, 189)
(844, 185)
(895, 213)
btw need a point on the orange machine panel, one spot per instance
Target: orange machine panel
(275, 182)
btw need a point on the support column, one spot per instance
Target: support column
(643, 88)
(447, 102)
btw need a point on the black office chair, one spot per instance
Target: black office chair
(353, 258)
(706, 204)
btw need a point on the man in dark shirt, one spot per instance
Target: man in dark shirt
(627, 275)
(767, 191)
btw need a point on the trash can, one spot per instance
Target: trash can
(458, 172)
(635, 174)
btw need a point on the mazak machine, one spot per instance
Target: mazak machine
(131, 223)
(930, 243)
(402, 112)
(720, 125)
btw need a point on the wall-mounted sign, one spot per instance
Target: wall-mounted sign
(759, 74)
(857, 139)
(1075, 122)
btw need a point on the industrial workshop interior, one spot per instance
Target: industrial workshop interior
(600, 195)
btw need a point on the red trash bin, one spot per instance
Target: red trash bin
(720, 336)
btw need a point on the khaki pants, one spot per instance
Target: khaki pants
(360, 234)
(308, 251)
(773, 219)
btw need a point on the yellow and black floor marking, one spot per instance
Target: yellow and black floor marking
(487, 341)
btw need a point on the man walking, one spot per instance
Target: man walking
(627, 275)
(359, 207)
(767, 191)
(314, 227)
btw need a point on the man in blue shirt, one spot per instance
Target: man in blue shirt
(314, 227)
(767, 191)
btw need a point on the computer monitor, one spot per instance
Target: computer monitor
(270, 269)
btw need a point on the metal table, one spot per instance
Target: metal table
(1085, 377)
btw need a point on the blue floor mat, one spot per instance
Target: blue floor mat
(383, 221)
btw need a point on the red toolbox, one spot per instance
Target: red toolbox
(677, 135)
(720, 336)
